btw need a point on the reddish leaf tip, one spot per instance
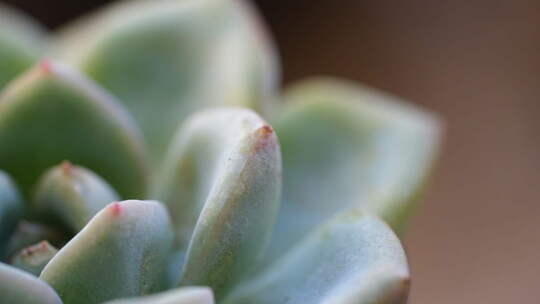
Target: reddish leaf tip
(46, 66)
(265, 137)
(67, 167)
(116, 208)
(266, 129)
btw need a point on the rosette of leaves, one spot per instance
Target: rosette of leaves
(160, 163)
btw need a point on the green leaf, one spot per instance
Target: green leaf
(17, 286)
(184, 295)
(21, 43)
(185, 54)
(71, 195)
(348, 146)
(11, 210)
(29, 233)
(34, 258)
(222, 181)
(122, 252)
(352, 259)
(51, 114)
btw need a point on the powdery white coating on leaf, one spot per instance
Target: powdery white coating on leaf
(352, 259)
(122, 252)
(347, 146)
(184, 295)
(187, 55)
(221, 181)
(17, 286)
(71, 195)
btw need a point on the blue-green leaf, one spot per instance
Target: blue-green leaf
(166, 59)
(17, 286)
(34, 258)
(222, 181)
(352, 259)
(11, 210)
(70, 195)
(122, 252)
(346, 146)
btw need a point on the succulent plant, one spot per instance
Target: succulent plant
(147, 167)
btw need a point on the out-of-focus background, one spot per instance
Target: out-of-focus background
(477, 63)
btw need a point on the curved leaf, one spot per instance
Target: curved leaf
(352, 259)
(184, 295)
(17, 286)
(71, 195)
(28, 233)
(185, 54)
(34, 258)
(11, 210)
(122, 252)
(51, 114)
(21, 43)
(347, 146)
(222, 181)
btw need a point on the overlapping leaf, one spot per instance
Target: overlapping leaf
(122, 252)
(352, 259)
(347, 146)
(17, 286)
(51, 114)
(166, 58)
(21, 43)
(222, 181)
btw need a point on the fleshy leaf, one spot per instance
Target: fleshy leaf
(352, 259)
(11, 210)
(122, 252)
(28, 233)
(21, 43)
(346, 146)
(51, 114)
(17, 286)
(184, 295)
(185, 54)
(71, 195)
(222, 181)
(34, 258)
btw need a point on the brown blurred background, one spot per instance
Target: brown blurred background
(477, 239)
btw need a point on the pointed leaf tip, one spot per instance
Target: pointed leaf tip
(188, 55)
(116, 207)
(34, 258)
(222, 182)
(69, 195)
(132, 250)
(80, 119)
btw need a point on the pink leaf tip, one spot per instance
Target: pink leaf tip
(116, 208)
(46, 66)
